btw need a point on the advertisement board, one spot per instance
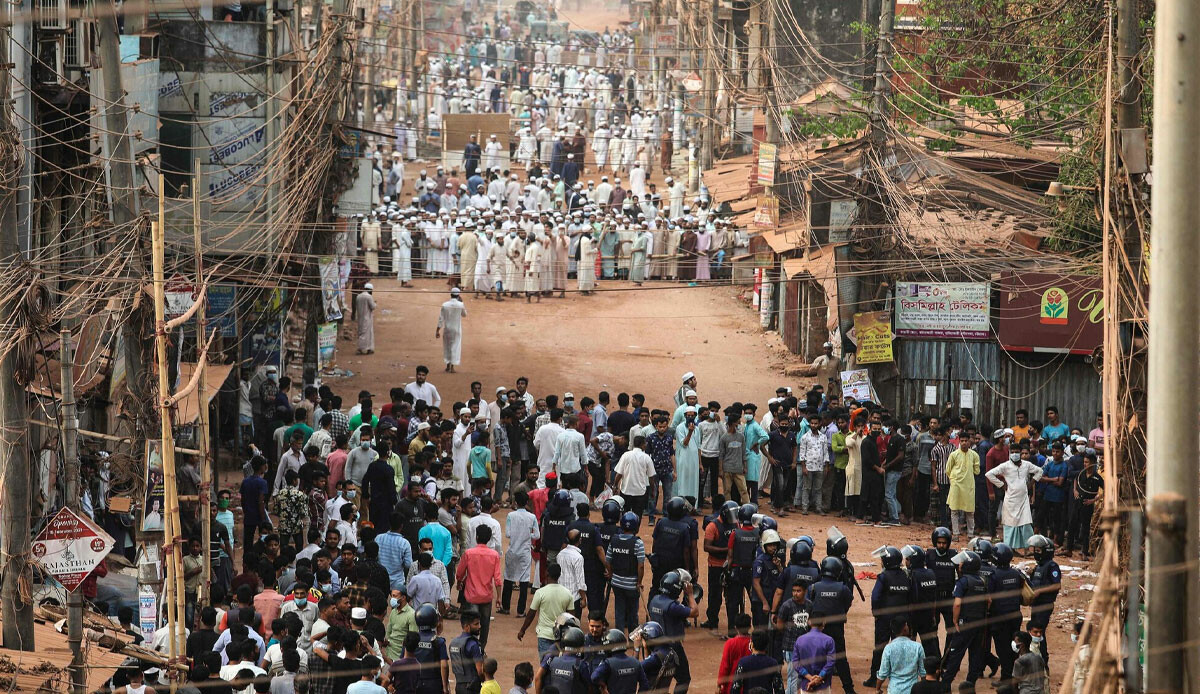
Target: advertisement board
(957, 310)
(1048, 312)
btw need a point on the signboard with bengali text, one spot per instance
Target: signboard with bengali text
(950, 310)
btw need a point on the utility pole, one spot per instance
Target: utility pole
(1129, 98)
(70, 451)
(124, 203)
(16, 611)
(1174, 379)
(770, 97)
(202, 441)
(708, 130)
(882, 93)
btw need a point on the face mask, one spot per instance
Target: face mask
(415, 478)
(1037, 640)
(364, 444)
(748, 417)
(503, 398)
(350, 493)
(887, 430)
(326, 587)
(1016, 647)
(223, 503)
(1014, 457)
(273, 377)
(394, 602)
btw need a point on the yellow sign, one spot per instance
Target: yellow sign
(873, 331)
(1055, 307)
(766, 164)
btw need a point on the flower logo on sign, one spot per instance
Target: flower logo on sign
(1054, 307)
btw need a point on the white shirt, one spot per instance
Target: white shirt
(570, 451)
(424, 391)
(485, 519)
(570, 560)
(521, 530)
(544, 441)
(635, 468)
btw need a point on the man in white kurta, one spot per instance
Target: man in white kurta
(637, 181)
(533, 269)
(365, 310)
(491, 153)
(402, 243)
(1015, 514)
(587, 264)
(468, 253)
(449, 328)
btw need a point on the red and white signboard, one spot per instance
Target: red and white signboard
(179, 294)
(70, 547)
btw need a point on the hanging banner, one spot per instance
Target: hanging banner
(331, 288)
(179, 294)
(766, 164)
(954, 310)
(873, 332)
(221, 308)
(70, 547)
(326, 344)
(155, 506)
(766, 214)
(147, 613)
(856, 384)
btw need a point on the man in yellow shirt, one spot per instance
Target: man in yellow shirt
(961, 468)
(1020, 430)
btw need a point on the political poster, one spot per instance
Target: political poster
(856, 384)
(155, 506)
(766, 164)
(948, 310)
(326, 344)
(331, 288)
(873, 332)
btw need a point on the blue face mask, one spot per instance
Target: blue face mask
(351, 493)
(326, 587)
(365, 444)
(394, 602)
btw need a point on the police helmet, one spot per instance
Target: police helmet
(729, 513)
(968, 561)
(1042, 547)
(630, 522)
(611, 512)
(562, 498)
(564, 621)
(1002, 554)
(616, 641)
(983, 547)
(939, 533)
(768, 523)
(769, 537)
(426, 617)
(831, 568)
(808, 539)
(671, 584)
(649, 632)
(571, 640)
(746, 513)
(677, 508)
(837, 548)
(890, 557)
(801, 552)
(915, 556)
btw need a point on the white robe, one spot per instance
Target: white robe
(365, 311)
(491, 155)
(450, 322)
(587, 264)
(402, 253)
(1014, 512)
(533, 267)
(483, 277)
(637, 182)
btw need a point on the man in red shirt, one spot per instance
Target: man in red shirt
(479, 574)
(538, 499)
(736, 648)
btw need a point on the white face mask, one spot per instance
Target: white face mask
(1014, 457)
(1016, 647)
(1037, 640)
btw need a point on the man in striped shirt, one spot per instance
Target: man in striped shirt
(939, 511)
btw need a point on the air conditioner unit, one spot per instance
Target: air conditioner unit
(48, 68)
(78, 53)
(52, 15)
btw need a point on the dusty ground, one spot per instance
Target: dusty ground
(633, 341)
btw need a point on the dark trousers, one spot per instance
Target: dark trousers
(921, 495)
(683, 671)
(853, 508)
(625, 607)
(837, 631)
(709, 470)
(1080, 530)
(1001, 632)
(737, 589)
(838, 501)
(924, 627)
(596, 597)
(872, 496)
(597, 480)
(637, 504)
(715, 590)
(506, 596)
(883, 634)
(783, 485)
(940, 511)
(1050, 519)
(985, 520)
(485, 618)
(944, 612)
(249, 529)
(752, 490)
(967, 642)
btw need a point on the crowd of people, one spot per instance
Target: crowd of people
(365, 531)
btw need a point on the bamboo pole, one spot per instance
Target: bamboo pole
(168, 443)
(202, 439)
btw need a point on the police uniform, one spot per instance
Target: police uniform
(621, 673)
(568, 673)
(715, 573)
(891, 598)
(555, 520)
(1005, 619)
(605, 532)
(593, 568)
(670, 546)
(659, 667)
(833, 599)
(673, 617)
(624, 562)
(743, 550)
(768, 575)
(923, 614)
(1047, 577)
(969, 639)
(942, 566)
(987, 570)
(431, 651)
(465, 651)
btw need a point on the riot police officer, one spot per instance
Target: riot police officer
(743, 550)
(593, 558)
(831, 598)
(987, 567)
(716, 544)
(626, 567)
(661, 660)
(674, 545)
(940, 560)
(1006, 588)
(970, 611)
(922, 617)
(836, 546)
(567, 672)
(618, 672)
(466, 655)
(434, 673)
(800, 566)
(665, 609)
(606, 530)
(555, 519)
(768, 567)
(891, 598)
(1045, 582)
